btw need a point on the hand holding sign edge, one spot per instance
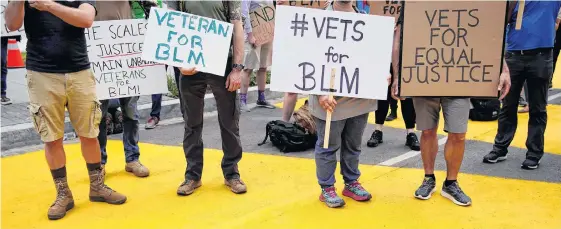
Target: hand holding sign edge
(188, 71)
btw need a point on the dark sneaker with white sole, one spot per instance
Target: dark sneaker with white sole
(412, 142)
(428, 187)
(494, 157)
(265, 104)
(376, 139)
(530, 163)
(454, 193)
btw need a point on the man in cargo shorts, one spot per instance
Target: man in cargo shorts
(59, 77)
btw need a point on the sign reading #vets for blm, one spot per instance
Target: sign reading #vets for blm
(114, 50)
(452, 48)
(263, 24)
(4, 30)
(310, 42)
(186, 40)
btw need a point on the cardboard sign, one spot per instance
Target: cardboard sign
(263, 24)
(317, 4)
(186, 40)
(4, 30)
(310, 42)
(114, 50)
(452, 48)
(385, 8)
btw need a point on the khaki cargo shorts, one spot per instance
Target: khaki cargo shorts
(50, 93)
(259, 57)
(455, 111)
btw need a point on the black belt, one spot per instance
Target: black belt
(530, 52)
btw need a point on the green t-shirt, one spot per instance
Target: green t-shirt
(137, 11)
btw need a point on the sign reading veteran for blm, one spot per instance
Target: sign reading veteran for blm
(263, 24)
(452, 48)
(114, 50)
(4, 30)
(309, 43)
(186, 40)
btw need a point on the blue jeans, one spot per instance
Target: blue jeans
(130, 129)
(4, 49)
(345, 135)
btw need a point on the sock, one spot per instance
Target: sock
(93, 166)
(448, 182)
(58, 173)
(243, 98)
(260, 95)
(325, 186)
(430, 175)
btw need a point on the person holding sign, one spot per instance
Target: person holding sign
(256, 57)
(224, 87)
(119, 10)
(348, 120)
(59, 77)
(529, 56)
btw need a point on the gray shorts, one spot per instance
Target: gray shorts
(455, 110)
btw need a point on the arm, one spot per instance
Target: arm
(14, 14)
(236, 19)
(504, 81)
(245, 14)
(395, 52)
(82, 17)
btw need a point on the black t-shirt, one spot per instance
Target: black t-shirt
(54, 46)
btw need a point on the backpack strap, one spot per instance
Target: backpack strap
(267, 132)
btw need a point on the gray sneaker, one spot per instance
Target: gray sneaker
(265, 104)
(244, 107)
(455, 194)
(427, 189)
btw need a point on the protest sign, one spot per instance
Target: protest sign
(318, 4)
(263, 24)
(115, 49)
(452, 48)
(4, 30)
(385, 8)
(186, 40)
(310, 42)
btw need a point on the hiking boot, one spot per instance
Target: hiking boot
(413, 142)
(188, 187)
(244, 107)
(392, 116)
(265, 104)
(427, 188)
(137, 169)
(454, 193)
(64, 201)
(236, 185)
(99, 192)
(6, 100)
(375, 139)
(530, 163)
(494, 157)
(152, 123)
(356, 192)
(330, 197)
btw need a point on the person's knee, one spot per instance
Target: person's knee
(428, 134)
(456, 138)
(53, 145)
(88, 141)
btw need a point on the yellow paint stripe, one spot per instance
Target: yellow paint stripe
(283, 193)
(557, 76)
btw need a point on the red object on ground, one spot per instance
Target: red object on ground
(14, 55)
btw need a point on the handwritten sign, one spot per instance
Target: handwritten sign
(186, 40)
(310, 42)
(263, 24)
(317, 4)
(452, 48)
(114, 50)
(4, 30)
(385, 8)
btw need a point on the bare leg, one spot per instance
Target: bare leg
(429, 149)
(55, 155)
(90, 150)
(454, 154)
(246, 75)
(261, 79)
(288, 105)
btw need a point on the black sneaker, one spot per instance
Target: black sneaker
(530, 163)
(6, 100)
(427, 188)
(494, 157)
(454, 193)
(375, 139)
(392, 116)
(413, 142)
(265, 104)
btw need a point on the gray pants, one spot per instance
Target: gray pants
(346, 135)
(193, 90)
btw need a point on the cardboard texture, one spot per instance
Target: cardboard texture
(263, 24)
(385, 8)
(308, 4)
(452, 48)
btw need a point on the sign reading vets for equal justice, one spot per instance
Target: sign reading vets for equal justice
(186, 40)
(263, 24)
(4, 30)
(309, 43)
(114, 50)
(385, 8)
(452, 48)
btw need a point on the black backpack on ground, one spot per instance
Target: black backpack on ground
(289, 137)
(485, 109)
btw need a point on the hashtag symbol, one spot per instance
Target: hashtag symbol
(299, 25)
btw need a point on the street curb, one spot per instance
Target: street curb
(21, 135)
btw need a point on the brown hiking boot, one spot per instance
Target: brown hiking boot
(188, 187)
(99, 192)
(236, 185)
(64, 201)
(137, 169)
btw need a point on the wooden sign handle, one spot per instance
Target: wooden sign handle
(328, 116)
(519, 17)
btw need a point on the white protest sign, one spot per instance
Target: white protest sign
(4, 30)
(310, 42)
(186, 40)
(114, 50)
